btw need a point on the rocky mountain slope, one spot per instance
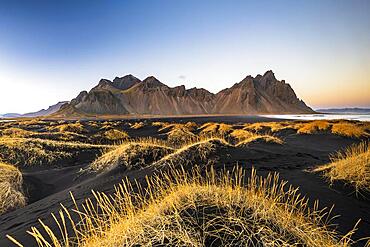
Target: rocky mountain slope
(129, 95)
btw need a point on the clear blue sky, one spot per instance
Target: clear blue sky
(52, 50)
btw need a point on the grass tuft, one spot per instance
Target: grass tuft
(131, 155)
(181, 208)
(244, 137)
(351, 166)
(268, 126)
(76, 127)
(264, 138)
(137, 125)
(177, 133)
(31, 151)
(115, 135)
(11, 193)
(16, 132)
(215, 128)
(313, 127)
(349, 129)
(203, 151)
(344, 128)
(241, 134)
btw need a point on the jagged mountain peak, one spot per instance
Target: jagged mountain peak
(262, 94)
(125, 82)
(151, 81)
(121, 83)
(269, 75)
(126, 77)
(103, 83)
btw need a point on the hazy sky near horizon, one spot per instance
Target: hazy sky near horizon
(52, 50)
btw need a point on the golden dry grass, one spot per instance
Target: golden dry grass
(177, 133)
(30, 124)
(195, 152)
(191, 126)
(312, 127)
(241, 134)
(158, 124)
(76, 127)
(94, 124)
(268, 126)
(180, 135)
(132, 154)
(34, 121)
(60, 136)
(257, 137)
(344, 128)
(351, 166)
(165, 126)
(114, 135)
(154, 152)
(105, 125)
(181, 208)
(244, 137)
(30, 151)
(11, 193)
(349, 129)
(215, 128)
(137, 125)
(16, 132)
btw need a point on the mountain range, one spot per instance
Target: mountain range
(263, 94)
(347, 110)
(44, 112)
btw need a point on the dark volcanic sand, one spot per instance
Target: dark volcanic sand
(48, 188)
(201, 119)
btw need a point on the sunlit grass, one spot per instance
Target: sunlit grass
(76, 127)
(351, 166)
(268, 126)
(349, 129)
(177, 133)
(264, 138)
(16, 132)
(243, 137)
(241, 134)
(11, 193)
(215, 128)
(60, 136)
(131, 154)
(137, 125)
(180, 208)
(195, 152)
(114, 135)
(30, 151)
(312, 127)
(344, 128)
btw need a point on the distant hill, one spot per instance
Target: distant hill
(51, 109)
(11, 115)
(262, 94)
(354, 110)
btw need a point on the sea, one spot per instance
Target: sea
(358, 117)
